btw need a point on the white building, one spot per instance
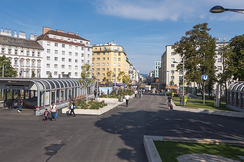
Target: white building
(134, 74)
(25, 54)
(156, 68)
(64, 53)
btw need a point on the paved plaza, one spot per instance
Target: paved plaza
(116, 136)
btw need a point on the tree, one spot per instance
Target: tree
(120, 75)
(33, 74)
(105, 80)
(235, 59)
(126, 79)
(86, 79)
(50, 75)
(110, 77)
(197, 49)
(8, 69)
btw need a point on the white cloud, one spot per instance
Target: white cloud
(166, 9)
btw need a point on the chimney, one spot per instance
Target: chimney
(5, 32)
(77, 34)
(45, 29)
(70, 33)
(60, 31)
(22, 35)
(15, 34)
(32, 37)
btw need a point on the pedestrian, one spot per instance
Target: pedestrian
(186, 97)
(170, 106)
(95, 93)
(53, 111)
(72, 108)
(19, 103)
(140, 93)
(136, 93)
(46, 115)
(127, 97)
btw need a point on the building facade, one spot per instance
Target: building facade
(109, 57)
(134, 74)
(64, 53)
(156, 67)
(24, 54)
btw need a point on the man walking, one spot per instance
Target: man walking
(127, 97)
(72, 108)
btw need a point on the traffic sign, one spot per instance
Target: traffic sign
(204, 77)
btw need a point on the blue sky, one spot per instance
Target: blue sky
(142, 27)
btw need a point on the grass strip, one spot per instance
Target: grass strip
(198, 103)
(169, 150)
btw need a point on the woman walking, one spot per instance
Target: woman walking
(53, 111)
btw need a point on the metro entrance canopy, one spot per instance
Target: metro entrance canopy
(39, 93)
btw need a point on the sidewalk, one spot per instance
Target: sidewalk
(209, 111)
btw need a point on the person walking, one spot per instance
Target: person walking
(170, 106)
(46, 115)
(127, 97)
(136, 93)
(95, 93)
(72, 108)
(53, 111)
(19, 103)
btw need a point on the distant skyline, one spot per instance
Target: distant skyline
(142, 27)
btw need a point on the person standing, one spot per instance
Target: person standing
(127, 97)
(95, 93)
(53, 110)
(72, 108)
(136, 93)
(45, 115)
(19, 103)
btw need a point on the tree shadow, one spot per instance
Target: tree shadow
(131, 126)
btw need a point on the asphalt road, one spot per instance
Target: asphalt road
(116, 136)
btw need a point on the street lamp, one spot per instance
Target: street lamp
(220, 9)
(168, 80)
(183, 69)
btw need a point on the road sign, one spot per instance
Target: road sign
(204, 77)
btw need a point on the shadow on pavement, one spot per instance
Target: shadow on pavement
(131, 126)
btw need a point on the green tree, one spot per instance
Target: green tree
(33, 74)
(120, 75)
(8, 69)
(50, 75)
(86, 79)
(110, 75)
(105, 80)
(197, 48)
(235, 59)
(126, 79)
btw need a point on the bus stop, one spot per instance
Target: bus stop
(235, 95)
(39, 93)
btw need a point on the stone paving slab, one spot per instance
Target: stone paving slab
(203, 158)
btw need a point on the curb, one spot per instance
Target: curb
(153, 155)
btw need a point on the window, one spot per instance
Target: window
(103, 74)
(48, 57)
(98, 64)
(56, 44)
(33, 53)
(63, 45)
(103, 69)
(115, 54)
(98, 58)
(63, 59)
(180, 78)
(76, 74)
(82, 55)
(56, 51)
(172, 71)
(76, 47)
(118, 69)
(63, 52)
(172, 65)
(55, 58)
(114, 64)
(172, 77)
(119, 54)
(76, 54)
(70, 53)
(107, 58)
(22, 52)
(114, 58)
(38, 54)
(9, 51)
(48, 65)
(172, 53)
(16, 52)
(76, 67)
(48, 50)
(70, 46)
(82, 61)
(98, 69)
(103, 64)
(107, 64)
(88, 61)
(181, 72)
(118, 64)
(219, 59)
(119, 59)
(70, 60)
(172, 59)
(27, 53)
(70, 67)
(103, 58)
(55, 73)
(48, 72)
(15, 62)
(172, 47)
(88, 55)
(48, 43)
(63, 66)
(76, 60)
(219, 67)
(27, 63)
(82, 48)
(88, 49)
(103, 53)
(114, 69)
(55, 65)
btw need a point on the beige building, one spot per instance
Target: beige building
(109, 57)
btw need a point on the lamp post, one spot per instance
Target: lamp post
(183, 70)
(220, 9)
(168, 80)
